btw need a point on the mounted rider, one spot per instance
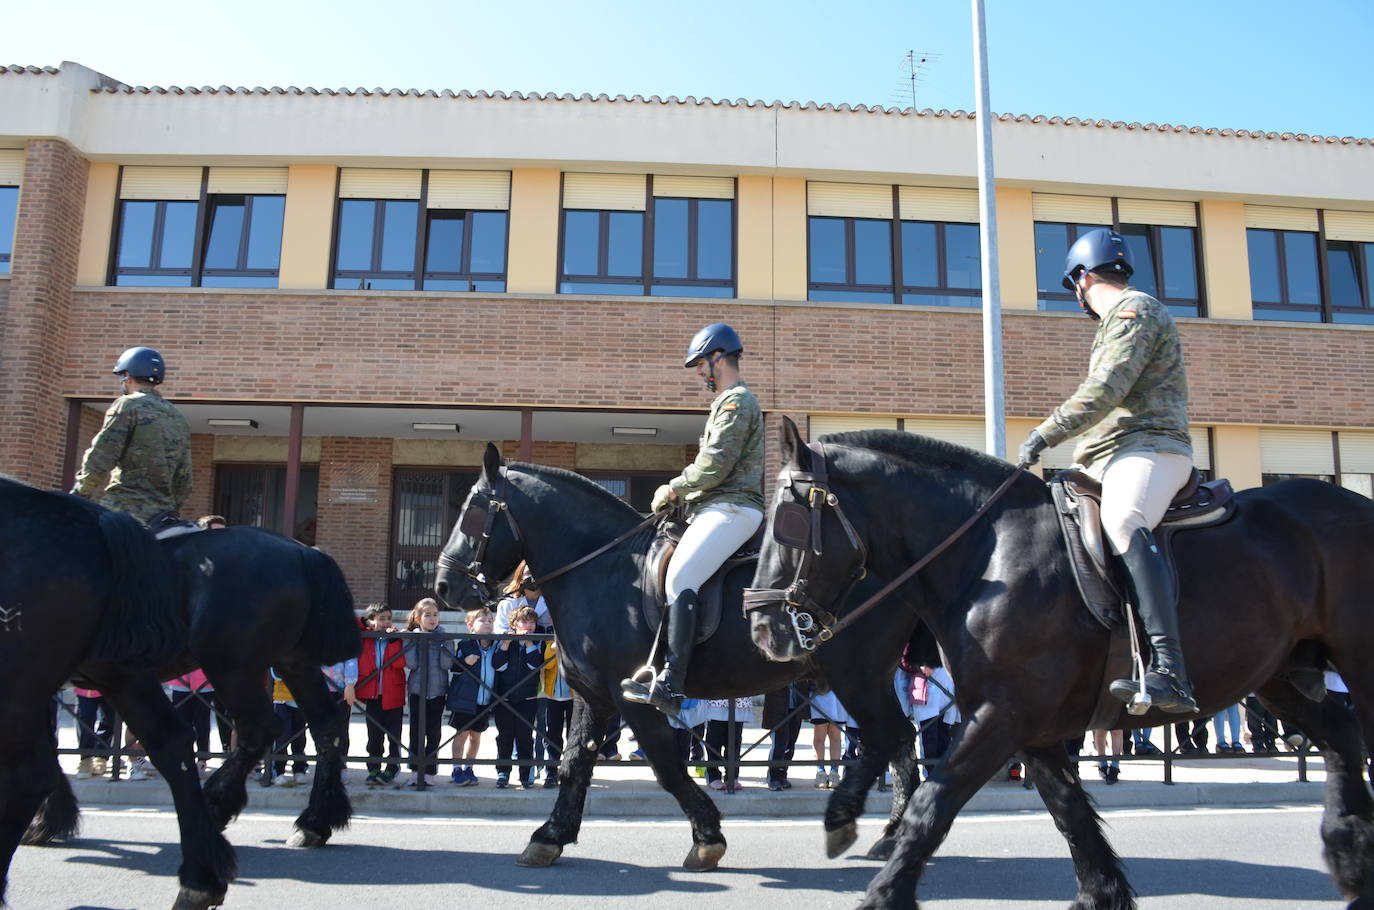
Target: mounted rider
(723, 493)
(140, 461)
(1133, 408)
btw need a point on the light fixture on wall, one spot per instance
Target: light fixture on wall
(634, 431)
(246, 423)
(435, 427)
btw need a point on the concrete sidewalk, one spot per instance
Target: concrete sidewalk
(627, 789)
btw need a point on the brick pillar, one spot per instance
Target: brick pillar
(33, 343)
(202, 501)
(354, 518)
(553, 454)
(772, 447)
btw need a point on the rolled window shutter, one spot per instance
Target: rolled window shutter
(694, 187)
(1282, 218)
(1340, 225)
(1071, 209)
(612, 192)
(268, 181)
(822, 426)
(1156, 211)
(849, 200)
(967, 433)
(1202, 448)
(1357, 452)
(379, 183)
(489, 190)
(160, 183)
(11, 166)
(930, 203)
(1296, 452)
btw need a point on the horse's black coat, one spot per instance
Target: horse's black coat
(91, 589)
(602, 638)
(1292, 568)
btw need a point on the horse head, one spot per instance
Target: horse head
(810, 559)
(485, 545)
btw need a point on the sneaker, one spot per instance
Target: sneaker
(139, 769)
(527, 784)
(374, 779)
(822, 782)
(502, 781)
(639, 754)
(388, 778)
(717, 784)
(288, 779)
(698, 770)
(786, 784)
(458, 777)
(470, 778)
(415, 781)
(84, 769)
(774, 785)
(99, 765)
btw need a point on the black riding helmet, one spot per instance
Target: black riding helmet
(716, 339)
(142, 363)
(1102, 250)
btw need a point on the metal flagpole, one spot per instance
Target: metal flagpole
(994, 411)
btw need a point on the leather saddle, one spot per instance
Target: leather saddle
(1098, 573)
(710, 598)
(168, 524)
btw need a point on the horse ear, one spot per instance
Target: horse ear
(491, 462)
(792, 443)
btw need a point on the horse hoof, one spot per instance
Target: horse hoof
(191, 899)
(882, 850)
(306, 839)
(703, 857)
(539, 855)
(841, 839)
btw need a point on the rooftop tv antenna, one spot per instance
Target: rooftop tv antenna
(915, 67)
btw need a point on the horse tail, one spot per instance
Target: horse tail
(143, 623)
(331, 629)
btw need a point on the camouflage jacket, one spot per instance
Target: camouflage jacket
(143, 452)
(1135, 398)
(729, 464)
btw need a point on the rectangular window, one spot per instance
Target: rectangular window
(156, 242)
(376, 244)
(941, 264)
(426, 505)
(254, 494)
(1165, 259)
(1350, 270)
(243, 241)
(627, 234)
(465, 251)
(9, 209)
(849, 259)
(1284, 279)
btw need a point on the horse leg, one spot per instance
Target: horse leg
(979, 750)
(207, 860)
(329, 809)
(25, 780)
(58, 816)
(659, 743)
(241, 691)
(1348, 816)
(574, 776)
(1102, 884)
(888, 737)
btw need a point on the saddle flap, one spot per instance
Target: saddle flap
(711, 597)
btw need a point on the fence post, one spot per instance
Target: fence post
(1169, 754)
(419, 735)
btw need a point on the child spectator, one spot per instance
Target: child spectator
(828, 718)
(191, 696)
(470, 694)
(342, 679)
(382, 690)
(94, 730)
(557, 712)
(517, 680)
(290, 733)
(429, 663)
(719, 741)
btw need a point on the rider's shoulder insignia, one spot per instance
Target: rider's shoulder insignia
(729, 407)
(1126, 314)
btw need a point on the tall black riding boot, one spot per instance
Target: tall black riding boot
(664, 691)
(1157, 603)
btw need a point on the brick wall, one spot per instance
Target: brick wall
(202, 501)
(356, 534)
(38, 311)
(554, 454)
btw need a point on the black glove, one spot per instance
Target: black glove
(1031, 448)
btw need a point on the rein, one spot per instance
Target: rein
(806, 613)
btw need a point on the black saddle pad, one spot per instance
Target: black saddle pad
(711, 597)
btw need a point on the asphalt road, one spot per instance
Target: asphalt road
(1217, 859)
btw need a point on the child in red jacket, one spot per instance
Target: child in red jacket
(382, 690)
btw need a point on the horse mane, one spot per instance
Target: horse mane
(924, 452)
(590, 487)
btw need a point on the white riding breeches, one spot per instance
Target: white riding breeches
(1137, 488)
(714, 533)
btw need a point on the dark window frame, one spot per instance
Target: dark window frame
(465, 256)
(1323, 305)
(7, 255)
(197, 270)
(1362, 260)
(446, 476)
(849, 285)
(941, 264)
(646, 280)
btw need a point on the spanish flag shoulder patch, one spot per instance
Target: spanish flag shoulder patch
(1126, 314)
(729, 407)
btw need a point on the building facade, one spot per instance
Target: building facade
(356, 290)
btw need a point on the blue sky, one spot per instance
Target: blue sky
(1260, 64)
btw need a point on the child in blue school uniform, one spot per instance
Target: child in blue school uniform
(470, 694)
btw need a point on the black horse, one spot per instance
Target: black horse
(602, 637)
(250, 599)
(1286, 581)
(85, 591)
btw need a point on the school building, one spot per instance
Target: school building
(356, 289)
